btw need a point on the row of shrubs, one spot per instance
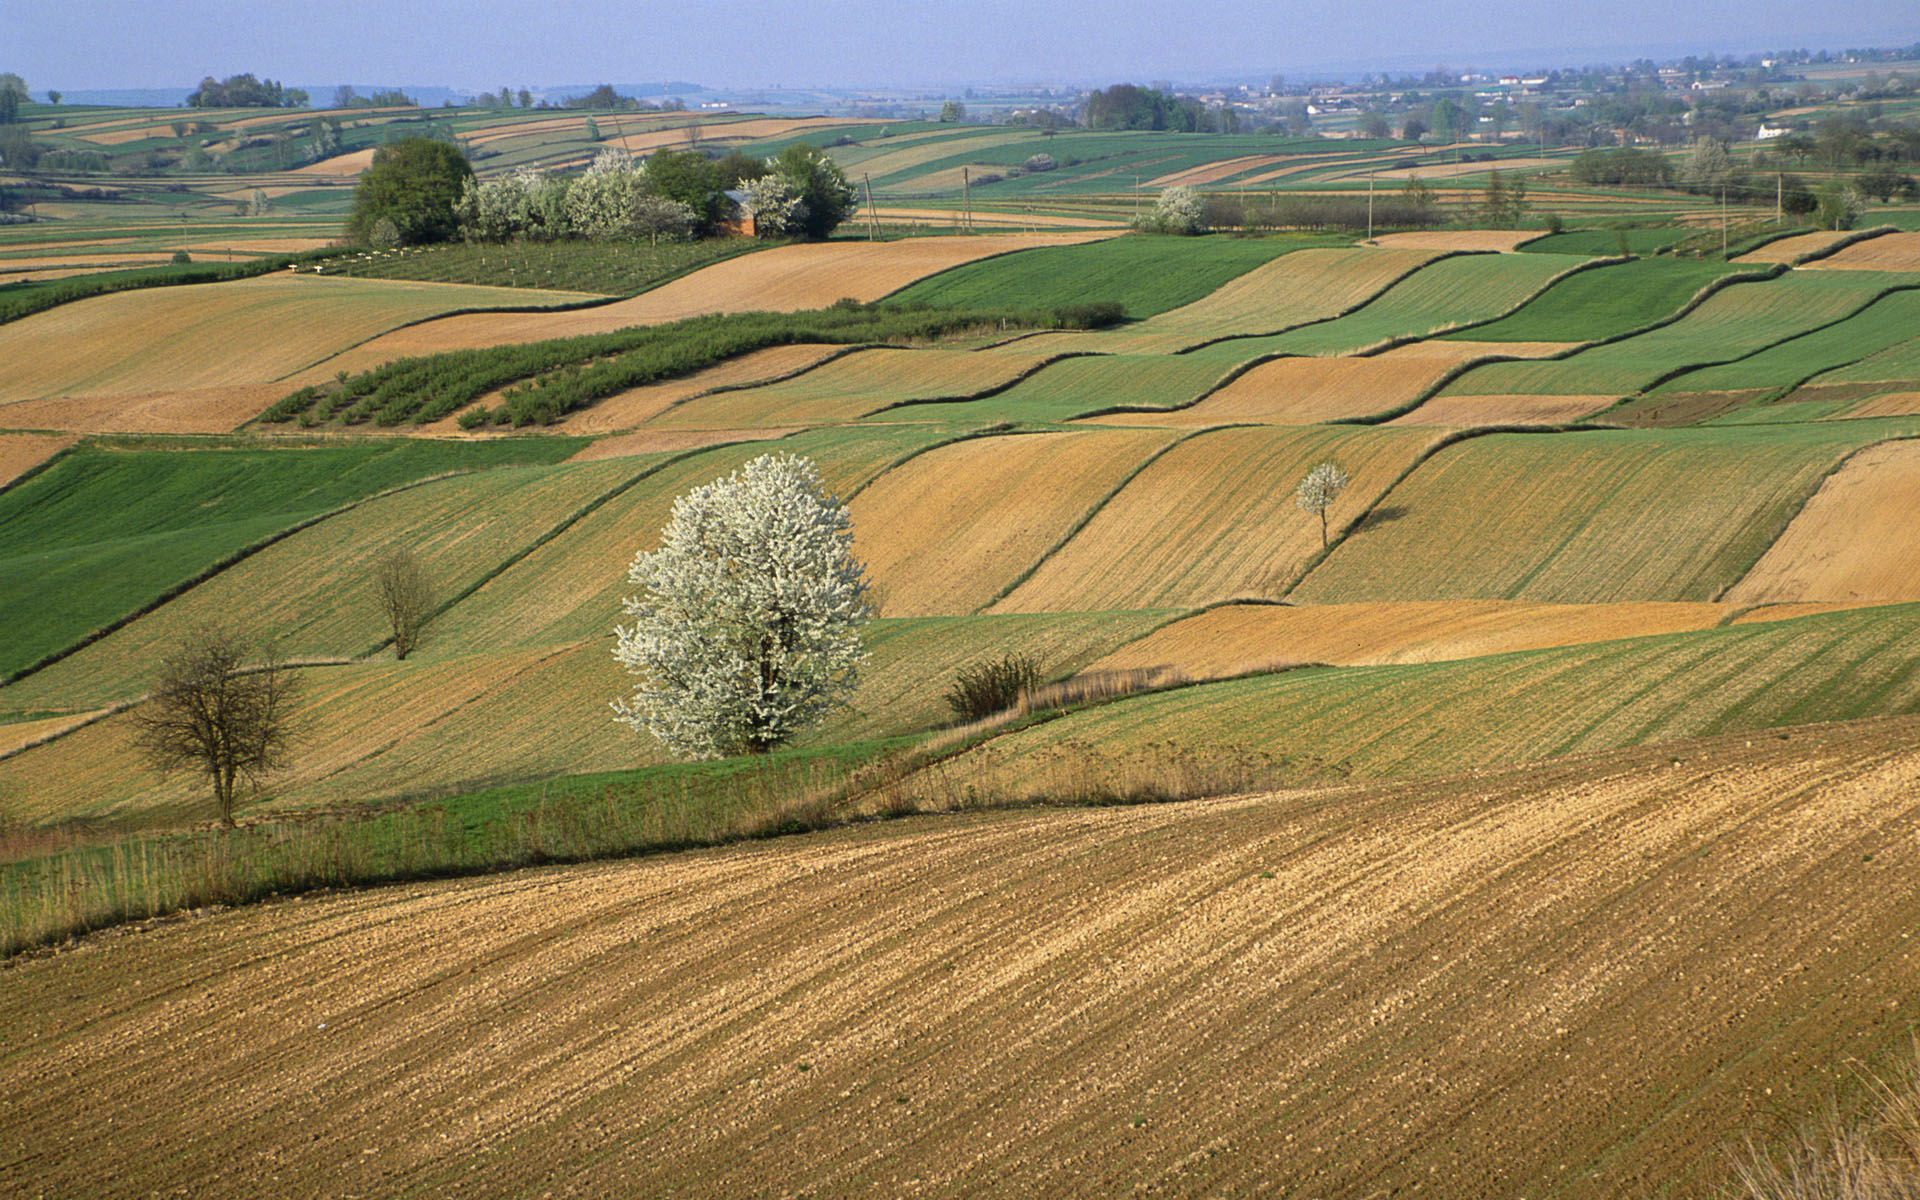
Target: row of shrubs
(553, 378)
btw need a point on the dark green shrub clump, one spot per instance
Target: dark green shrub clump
(1098, 315)
(992, 686)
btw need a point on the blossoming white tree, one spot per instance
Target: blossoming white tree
(1318, 491)
(747, 629)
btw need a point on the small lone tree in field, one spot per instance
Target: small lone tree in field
(210, 712)
(1318, 491)
(405, 596)
(747, 629)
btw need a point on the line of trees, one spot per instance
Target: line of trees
(1127, 106)
(245, 91)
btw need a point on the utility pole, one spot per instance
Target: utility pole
(1369, 206)
(1779, 198)
(1723, 222)
(873, 220)
(966, 197)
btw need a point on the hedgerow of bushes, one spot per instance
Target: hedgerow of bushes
(553, 378)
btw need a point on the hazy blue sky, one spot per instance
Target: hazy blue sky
(76, 44)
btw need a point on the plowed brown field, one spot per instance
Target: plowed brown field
(1582, 978)
(20, 452)
(1889, 252)
(1892, 404)
(785, 279)
(1243, 636)
(1856, 540)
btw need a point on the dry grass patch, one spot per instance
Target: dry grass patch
(21, 452)
(1789, 249)
(1787, 612)
(1213, 519)
(1458, 239)
(250, 331)
(1855, 542)
(1232, 638)
(664, 441)
(1470, 411)
(1892, 404)
(1888, 252)
(949, 530)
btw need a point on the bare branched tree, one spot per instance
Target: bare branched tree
(406, 598)
(1318, 491)
(210, 711)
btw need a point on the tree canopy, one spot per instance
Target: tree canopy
(414, 184)
(244, 91)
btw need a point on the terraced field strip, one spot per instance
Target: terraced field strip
(1308, 285)
(1890, 252)
(1890, 404)
(1422, 718)
(1501, 240)
(783, 279)
(1072, 387)
(1144, 274)
(1899, 363)
(311, 594)
(1855, 541)
(110, 530)
(1791, 249)
(854, 385)
(1606, 302)
(1457, 291)
(897, 166)
(570, 588)
(1885, 324)
(1787, 612)
(1216, 171)
(250, 331)
(1240, 637)
(634, 407)
(671, 441)
(1369, 987)
(21, 452)
(1735, 321)
(950, 531)
(1466, 412)
(1310, 391)
(720, 131)
(16, 736)
(1589, 518)
(1213, 519)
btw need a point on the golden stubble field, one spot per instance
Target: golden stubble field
(1582, 978)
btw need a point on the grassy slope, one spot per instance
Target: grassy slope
(1146, 274)
(1737, 320)
(1074, 387)
(1587, 518)
(1604, 302)
(105, 531)
(1886, 323)
(1453, 291)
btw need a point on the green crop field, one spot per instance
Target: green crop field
(1145, 275)
(1883, 326)
(1588, 518)
(1604, 302)
(106, 529)
(1736, 320)
(1455, 291)
(853, 386)
(1420, 719)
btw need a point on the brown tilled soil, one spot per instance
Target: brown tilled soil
(1887, 404)
(1786, 250)
(1582, 979)
(1855, 541)
(1503, 410)
(197, 410)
